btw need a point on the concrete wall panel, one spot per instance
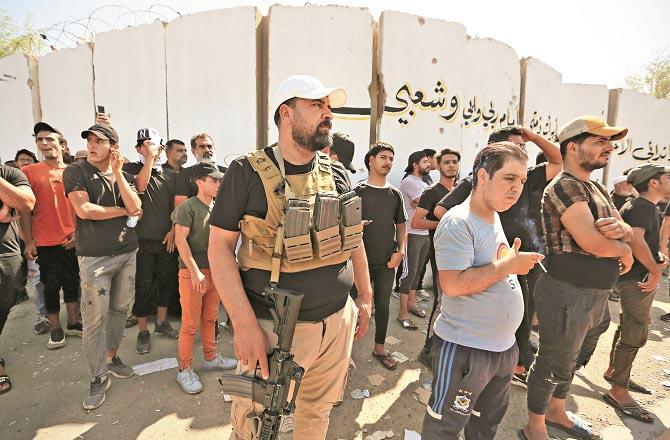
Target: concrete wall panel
(493, 88)
(130, 82)
(333, 43)
(648, 137)
(18, 104)
(211, 78)
(422, 65)
(66, 92)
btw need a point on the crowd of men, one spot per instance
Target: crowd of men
(510, 247)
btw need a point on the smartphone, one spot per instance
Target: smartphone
(101, 109)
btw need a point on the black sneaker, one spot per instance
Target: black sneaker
(143, 342)
(57, 339)
(520, 380)
(131, 321)
(665, 317)
(74, 329)
(165, 329)
(118, 369)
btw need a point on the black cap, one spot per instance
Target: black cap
(147, 133)
(206, 168)
(43, 126)
(414, 158)
(102, 131)
(344, 148)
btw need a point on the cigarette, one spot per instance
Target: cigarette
(542, 266)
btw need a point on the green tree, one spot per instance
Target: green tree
(655, 80)
(14, 39)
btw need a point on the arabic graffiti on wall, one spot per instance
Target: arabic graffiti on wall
(546, 126)
(409, 102)
(650, 152)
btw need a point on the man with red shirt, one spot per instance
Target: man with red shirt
(49, 234)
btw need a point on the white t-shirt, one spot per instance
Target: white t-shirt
(411, 188)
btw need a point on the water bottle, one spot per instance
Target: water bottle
(132, 220)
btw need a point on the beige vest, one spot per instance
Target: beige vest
(259, 235)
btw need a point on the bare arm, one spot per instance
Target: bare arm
(439, 211)
(419, 220)
(401, 236)
(250, 345)
(550, 150)
(130, 198)
(475, 280)
(665, 235)
(181, 234)
(579, 222)
(90, 211)
(359, 261)
(20, 198)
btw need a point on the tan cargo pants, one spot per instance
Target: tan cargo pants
(323, 349)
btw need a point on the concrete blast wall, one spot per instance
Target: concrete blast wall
(130, 82)
(211, 78)
(66, 92)
(333, 43)
(411, 81)
(648, 137)
(19, 106)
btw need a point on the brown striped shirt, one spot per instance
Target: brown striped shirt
(561, 193)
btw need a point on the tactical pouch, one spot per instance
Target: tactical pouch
(352, 236)
(327, 243)
(297, 239)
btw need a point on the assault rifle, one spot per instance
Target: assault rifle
(273, 393)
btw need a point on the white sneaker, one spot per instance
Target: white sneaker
(423, 294)
(189, 381)
(219, 363)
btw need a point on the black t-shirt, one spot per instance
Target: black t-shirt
(157, 202)
(429, 200)
(100, 238)
(241, 193)
(619, 200)
(385, 208)
(641, 213)
(523, 218)
(184, 185)
(9, 234)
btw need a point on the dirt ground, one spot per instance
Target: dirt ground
(49, 386)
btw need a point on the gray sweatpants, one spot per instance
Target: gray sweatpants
(107, 289)
(467, 379)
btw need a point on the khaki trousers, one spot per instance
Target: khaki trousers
(323, 349)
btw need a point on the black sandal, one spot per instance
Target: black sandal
(630, 409)
(386, 360)
(4, 379)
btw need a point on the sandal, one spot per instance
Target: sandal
(630, 409)
(632, 386)
(581, 429)
(408, 324)
(386, 360)
(4, 379)
(417, 312)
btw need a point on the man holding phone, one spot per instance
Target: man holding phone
(156, 271)
(103, 198)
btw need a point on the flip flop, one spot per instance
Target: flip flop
(417, 312)
(630, 409)
(384, 358)
(408, 324)
(632, 386)
(580, 429)
(4, 379)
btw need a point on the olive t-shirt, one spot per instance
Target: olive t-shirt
(100, 238)
(194, 214)
(241, 193)
(9, 234)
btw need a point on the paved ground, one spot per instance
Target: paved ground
(49, 385)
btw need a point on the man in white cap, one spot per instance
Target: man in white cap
(251, 201)
(622, 192)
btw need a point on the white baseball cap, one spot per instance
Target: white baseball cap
(619, 179)
(307, 87)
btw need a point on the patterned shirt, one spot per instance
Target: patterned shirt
(564, 191)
